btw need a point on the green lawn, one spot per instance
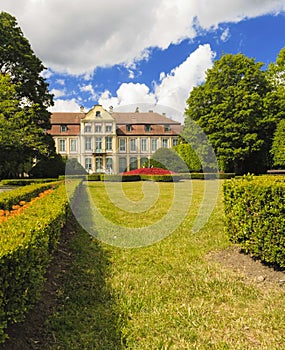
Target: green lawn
(163, 296)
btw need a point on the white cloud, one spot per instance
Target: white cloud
(89, 88)
(65, 106)
(78, 37)
(57, 93)
(225, 35)
(173, 89)
(128, 94)
(60, 82)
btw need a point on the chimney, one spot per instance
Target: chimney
(137, 110)
(81, 109)
(111, 109)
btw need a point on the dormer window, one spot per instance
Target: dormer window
(98, 114)
(147, 128)
(129, 128)
(167, 128)
(63, 128)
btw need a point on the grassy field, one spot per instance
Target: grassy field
(167, 295)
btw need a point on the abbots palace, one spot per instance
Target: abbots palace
(112, 142)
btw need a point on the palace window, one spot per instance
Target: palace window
(73, 145)
(133, 145)
(154, 143)
(167, 128)
(88, 164)
(165, 143)
(88, 144)
(122, 145)
(144, 145)
(129, 128)
(62, 145)
(108, 141)
(63, 128)
(108, 127)
(98, 128)
(87, 127)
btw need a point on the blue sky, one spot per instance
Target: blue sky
(150, 52)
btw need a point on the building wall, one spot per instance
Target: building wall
(101, 144)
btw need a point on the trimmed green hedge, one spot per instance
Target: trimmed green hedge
(24, 182)
(26, 193)
(26, 242)
(119, 178)
(255, 216)
(164, 178)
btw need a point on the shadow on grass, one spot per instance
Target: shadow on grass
(86, 316)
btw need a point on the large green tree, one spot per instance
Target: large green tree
(21, 137)
(229, 107)
(25, 99)
(278, 146)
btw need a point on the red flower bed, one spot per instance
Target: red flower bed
(148, 171)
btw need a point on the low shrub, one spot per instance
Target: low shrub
(120, 178)
(94, 177)
(24, 182)
(255, 216)
(159, 178)
(26, 193)
(26, 242)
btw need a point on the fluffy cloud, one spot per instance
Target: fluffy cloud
(65, 106)
(173, 89)
(76, 37)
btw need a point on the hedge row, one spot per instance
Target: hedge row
(165, 178)
(255, 216)
(26, 242)
(26, 193)
(24, 182)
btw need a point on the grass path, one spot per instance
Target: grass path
(164, 296)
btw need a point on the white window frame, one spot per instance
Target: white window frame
(98, 142)
(109, 143)
(73, 145)
(108, 127)
(154, 145)
(144, 145)
(88, 163)
(88, 144)
(87, 127)
(133, 145)
(62, 145)
(163, 143)
(98, 128)
(122, 145)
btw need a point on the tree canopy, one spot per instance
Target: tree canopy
(278, 146)
(24, 99)
(229, 107)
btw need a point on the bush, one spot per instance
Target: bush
(255, 216)
(24, 182)
(159, 178)
(119, 178)
(8, 199)
(26, 242)
(52, 167)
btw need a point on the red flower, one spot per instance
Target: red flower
(148, 171)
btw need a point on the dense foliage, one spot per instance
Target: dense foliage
(254, 209)
(27, 241)
(278, 146)
(232, 108)
(165, 158)
(24, 99)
